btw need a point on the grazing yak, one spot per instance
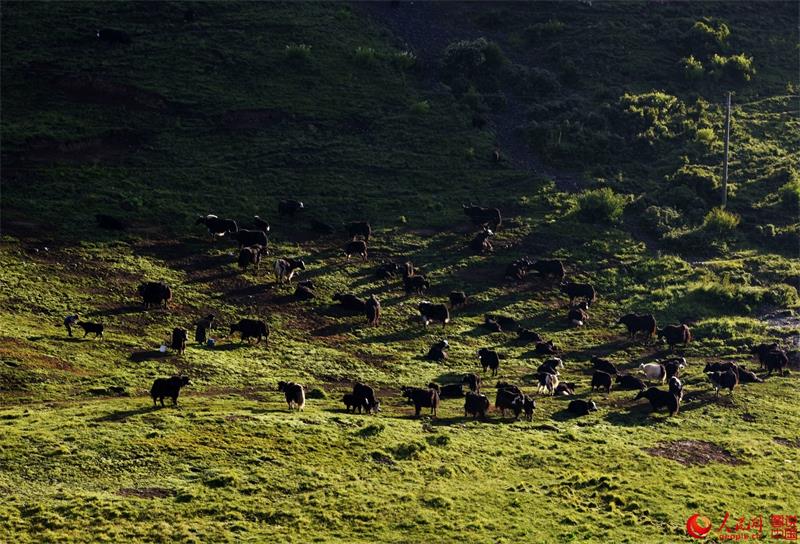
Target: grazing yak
(94, 328)
(581, 407)
(422, 398)
(356, 247)
(217, 226)
(548, 382)
(509, 386)
(603, 365)
(373, 310)
(506, 323)
(290, 207)
(168, 387)
(723, 380)
(179, 338)
(359, 228)
(155, 293)
(246, 238)
(636, 324)
(626, 381)
(528, 406)
(483, 216)
(509, 399)
(457, 298)
(545, 348)
(260, 224)
(386, 270)
(565, 389)
(351, 401)
(434, 312)
(776, 360)
(437, 351)
(551, 366)
(448, 390)
(351, 302)
(365, 396)
(577, 316)
(654, 371)
(491, 324)
(518, 270)
(721, 367)
(552, 268)
(286, 268)
(481, 244)
(476, 405)
(526, 336)
(578, 290)
(113, 36)
(201, 332)
(304, 291)
(295, 394)
(489, 360)
(676, 387)
(473, 381)
(660, 399)
(251, 328)
(761, 351)
(601, 380)
(746, 376)
(415, 284)
(250, 255)
(675, 334)
(674, 366)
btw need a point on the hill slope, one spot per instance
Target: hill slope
(361, 113)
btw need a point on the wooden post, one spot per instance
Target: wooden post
(725, 162)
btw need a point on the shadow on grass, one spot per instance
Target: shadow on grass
(129, 309)
(148, 355)
(71, 339)
(122, 415)
(333, 329)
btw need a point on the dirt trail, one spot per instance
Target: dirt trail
(426, 28)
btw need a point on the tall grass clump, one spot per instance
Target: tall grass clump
(299, 53)
(720, 221)
(600, 206)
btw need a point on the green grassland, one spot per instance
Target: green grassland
(343, 106)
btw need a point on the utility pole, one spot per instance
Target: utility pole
(725, 162)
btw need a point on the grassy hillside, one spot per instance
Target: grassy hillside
(611, 161)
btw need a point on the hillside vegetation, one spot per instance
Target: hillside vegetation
(608, 120)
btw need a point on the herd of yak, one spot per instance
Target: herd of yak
(253, 244)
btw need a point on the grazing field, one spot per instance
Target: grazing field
(607, 122)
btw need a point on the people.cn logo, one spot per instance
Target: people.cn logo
(698, 526)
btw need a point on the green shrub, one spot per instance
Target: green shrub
(365, 56)
(735, 68)
(420, 108)
(299, 53)
(317, 393)
(660, 220)
(692, 68)
(600, 205)
(705, 136)
(371, 430)
(790, 194)
(654, 116)
(538, 32)
(701, 179)
(704, 35)
(404, 60)
(720, 221)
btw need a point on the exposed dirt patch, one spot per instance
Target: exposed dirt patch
(99, 90)
(694, 452)
(787, 442)
(145, 492)
(111, 146)
(13, 349)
